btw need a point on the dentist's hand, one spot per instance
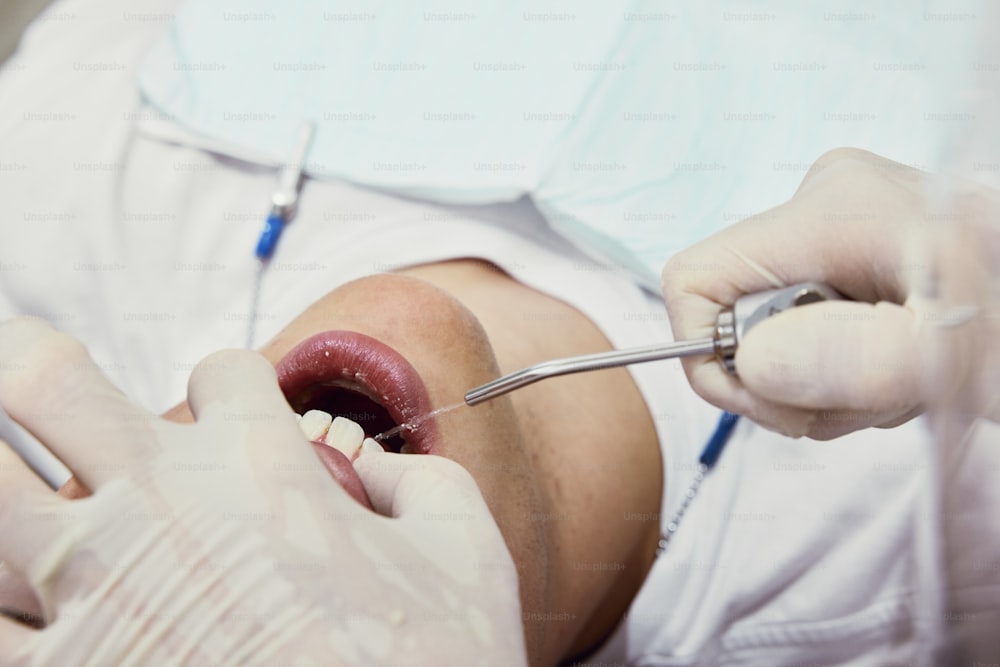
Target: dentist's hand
(856, 223)
(226, 540)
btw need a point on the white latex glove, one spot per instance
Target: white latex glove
(225, 541)
(857, 222)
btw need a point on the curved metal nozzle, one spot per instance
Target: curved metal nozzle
(731, 325)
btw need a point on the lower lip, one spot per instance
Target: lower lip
(341, 469)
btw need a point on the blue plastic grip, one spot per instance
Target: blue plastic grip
(713, 450)
(273, 226)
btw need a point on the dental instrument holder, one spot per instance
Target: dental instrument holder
(283, 203)
(731, 326)
(285, 198)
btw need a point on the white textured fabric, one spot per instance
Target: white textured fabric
(795, 552)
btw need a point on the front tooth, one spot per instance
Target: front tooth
(315, 424)
(371, 446)
(346, 436)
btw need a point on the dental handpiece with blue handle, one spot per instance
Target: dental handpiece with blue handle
(286, 197)
(731, 326)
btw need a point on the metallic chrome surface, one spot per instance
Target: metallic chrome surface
(731, 325)
(587, 362)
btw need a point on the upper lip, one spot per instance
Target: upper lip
(363, 364)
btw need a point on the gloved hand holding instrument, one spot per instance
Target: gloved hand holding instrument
(864, 225)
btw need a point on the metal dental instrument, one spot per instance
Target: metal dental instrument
(732, 324)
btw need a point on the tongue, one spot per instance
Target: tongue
(340, 469)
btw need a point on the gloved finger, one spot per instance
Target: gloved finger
(438, 503)
(14, 642)
(836, 356)
(820, 234)
(716, 385)
(831, 424)
(237, 392)
(53, 388)
(728, 392)
(403, 485)
(231, 378)
(32, 518)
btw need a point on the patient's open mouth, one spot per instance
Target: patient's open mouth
(348, 374)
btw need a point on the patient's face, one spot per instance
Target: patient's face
(334, 357)
(550, 460)
(560, 463)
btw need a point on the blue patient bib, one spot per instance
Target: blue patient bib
(637, 127)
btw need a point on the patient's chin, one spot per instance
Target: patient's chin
(73, 489)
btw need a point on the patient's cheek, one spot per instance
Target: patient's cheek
(180, 414)
(73, 489)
